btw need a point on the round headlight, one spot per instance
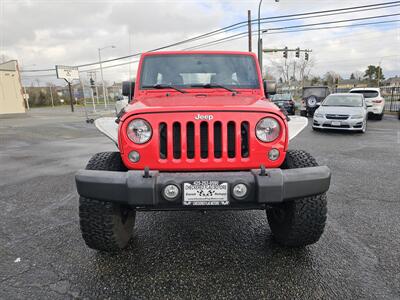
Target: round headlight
(139, 131)
(267, 130)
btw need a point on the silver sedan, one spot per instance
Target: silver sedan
(342, 111)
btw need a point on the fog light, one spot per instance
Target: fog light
(273, 154)
(134, 156)
(171, 192)
(239, 190)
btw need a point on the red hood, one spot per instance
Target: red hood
(201, 102)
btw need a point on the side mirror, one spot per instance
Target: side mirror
(318, 104)
(269, 88)
(128, 89)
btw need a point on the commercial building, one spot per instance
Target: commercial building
(11, 95)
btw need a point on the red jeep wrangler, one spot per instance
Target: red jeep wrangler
(200, 133)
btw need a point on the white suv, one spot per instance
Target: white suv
(375, 102)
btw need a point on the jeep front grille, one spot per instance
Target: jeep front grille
(204, 140)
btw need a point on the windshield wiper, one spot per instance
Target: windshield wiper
(164, 86)
(214, 85)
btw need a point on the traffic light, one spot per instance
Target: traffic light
(285, 52)
(92, 82)
(306, 56)
(297, 52)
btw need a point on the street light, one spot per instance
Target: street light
(101, 71)
(259, 34)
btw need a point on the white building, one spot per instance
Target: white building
(11, 95)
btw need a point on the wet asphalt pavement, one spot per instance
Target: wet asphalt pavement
(180, 255)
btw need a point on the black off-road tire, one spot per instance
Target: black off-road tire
(299, 222)
(106, 226)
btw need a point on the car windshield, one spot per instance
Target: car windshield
(199, 71)
(317, 92)
(343, 100)
(281, 97)
(366, 94)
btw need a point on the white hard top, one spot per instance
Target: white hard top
(366, 89)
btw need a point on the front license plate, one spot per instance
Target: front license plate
(336, 123)
(204, 192)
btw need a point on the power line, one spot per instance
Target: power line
(318, 16)
(244, 33)
(333, 22)
(201, 36)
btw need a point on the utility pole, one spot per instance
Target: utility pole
(379, 73)
(102, 77)
(51, 96)
(249, 28)
(102, 80)
(70, 95)
(260, 51)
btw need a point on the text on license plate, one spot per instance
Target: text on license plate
(335, 123)
(205, 192)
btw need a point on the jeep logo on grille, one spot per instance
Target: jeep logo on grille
(204, 117)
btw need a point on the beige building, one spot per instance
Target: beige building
(11, 96)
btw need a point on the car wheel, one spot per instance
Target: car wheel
(380, 116)
(106, 226)
(299, 222)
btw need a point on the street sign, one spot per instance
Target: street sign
(67, 73)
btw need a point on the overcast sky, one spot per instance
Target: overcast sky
(43, 33)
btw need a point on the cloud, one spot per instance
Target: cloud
(46, 33)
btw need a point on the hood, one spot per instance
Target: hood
(184, 102)
(340, 110)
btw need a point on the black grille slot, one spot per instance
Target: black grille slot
(163, 140)
(190, 139)
(244, 132)
(231, 139)
(217, 140)
(204, 140)
(177, 140)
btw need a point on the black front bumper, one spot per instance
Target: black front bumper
(139, 190)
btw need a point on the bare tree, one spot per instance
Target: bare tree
(358, 75)
(294, 69)
(305, 67)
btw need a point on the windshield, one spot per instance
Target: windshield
(317, 92)
(366, 94)
(198, 70)
(281, 97)
(343, 100)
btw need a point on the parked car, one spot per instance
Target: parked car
(286, 102)
(200, 135)
(374, 100)
(342, 111)
(311, 96)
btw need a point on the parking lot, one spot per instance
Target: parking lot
(176, 255)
